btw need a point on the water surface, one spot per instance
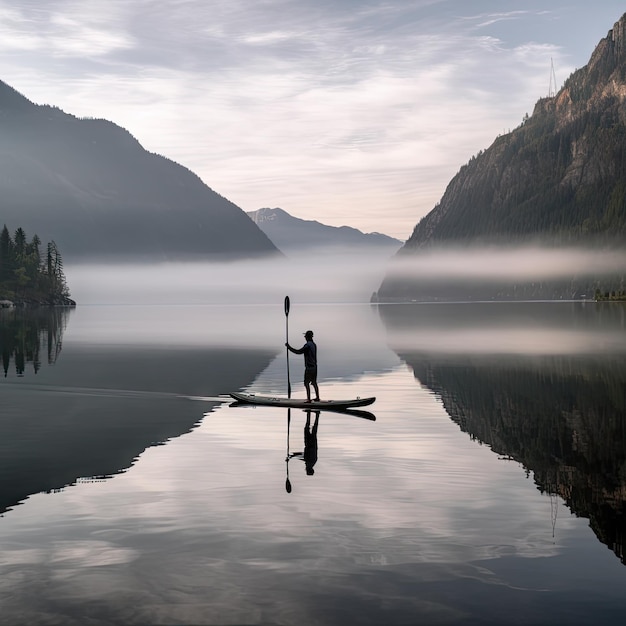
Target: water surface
(489, 489)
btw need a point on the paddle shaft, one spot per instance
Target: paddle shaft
(287, 307)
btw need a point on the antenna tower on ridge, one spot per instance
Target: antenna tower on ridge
(552, 86)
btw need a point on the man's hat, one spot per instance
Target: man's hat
(309, 333)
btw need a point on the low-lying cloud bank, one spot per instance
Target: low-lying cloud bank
(515, 264)
(322, 276)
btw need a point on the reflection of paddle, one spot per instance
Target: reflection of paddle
(287, 304)
(287, 482)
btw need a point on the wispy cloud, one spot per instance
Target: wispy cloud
(481, 21)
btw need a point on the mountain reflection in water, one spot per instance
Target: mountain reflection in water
(97, 408)
(563, 416)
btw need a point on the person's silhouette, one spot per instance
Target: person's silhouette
(309, 349)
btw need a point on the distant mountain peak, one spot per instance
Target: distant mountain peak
(268, 215)
(290, 233)
(613, 47)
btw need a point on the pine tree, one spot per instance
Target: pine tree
(57, 286)
(19, 245)
(6, 245)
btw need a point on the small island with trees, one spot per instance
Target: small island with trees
(29, 277)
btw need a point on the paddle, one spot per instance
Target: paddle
(287, 305)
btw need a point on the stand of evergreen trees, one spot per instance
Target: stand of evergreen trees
(28, 277)
(618, 295)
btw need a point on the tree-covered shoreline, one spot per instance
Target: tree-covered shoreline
(614, 295)
(28, 277)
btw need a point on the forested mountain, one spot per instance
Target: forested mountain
(561, 175)
(558, 179)
(291, 233)
(91, 187)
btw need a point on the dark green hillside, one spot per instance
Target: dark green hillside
(559, 177)
(90, 186)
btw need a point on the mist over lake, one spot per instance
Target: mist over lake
(323, 275)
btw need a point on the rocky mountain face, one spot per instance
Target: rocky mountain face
(561, 175)
(291, 234)
(557, 179)
(89, 185)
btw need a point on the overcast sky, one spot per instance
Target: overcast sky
(354, 112)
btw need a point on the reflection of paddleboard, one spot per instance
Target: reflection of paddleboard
(329, 405)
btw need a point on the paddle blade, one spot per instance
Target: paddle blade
(287, 305)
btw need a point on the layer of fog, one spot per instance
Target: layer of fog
(236, 304)
(322, 276)
(536, 341)
(325, 276)
(501, 328)
(502, 264)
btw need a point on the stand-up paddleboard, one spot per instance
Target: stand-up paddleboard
(329, 405)
(306, 405)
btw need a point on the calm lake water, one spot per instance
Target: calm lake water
(489, 489)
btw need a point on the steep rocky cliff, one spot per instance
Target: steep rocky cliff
(559, 177)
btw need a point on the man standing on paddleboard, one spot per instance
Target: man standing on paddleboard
(309, 349)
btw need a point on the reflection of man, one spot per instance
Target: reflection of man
(310, 442)
(309, 349)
